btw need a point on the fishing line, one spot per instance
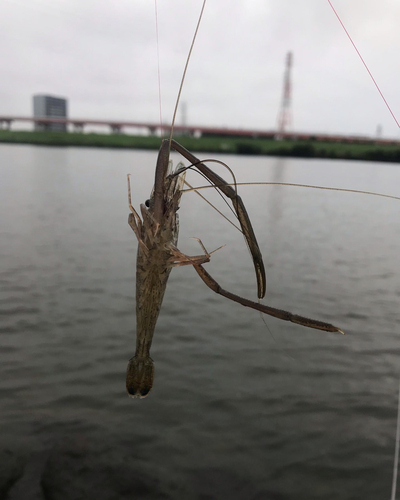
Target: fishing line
(283, 349)
(364, 63)
(396, 450)
(396, 453)
(158, 70)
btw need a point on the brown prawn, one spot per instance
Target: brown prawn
(157, 234)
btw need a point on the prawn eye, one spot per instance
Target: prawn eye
(147, 203)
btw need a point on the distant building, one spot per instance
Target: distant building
(46, 106)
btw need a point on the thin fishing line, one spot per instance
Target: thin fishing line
(184, 73)
(365, 64)
(158, 70)
(396, 454)
(396, 450)
(273, 337)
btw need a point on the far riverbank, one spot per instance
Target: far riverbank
(227, 145)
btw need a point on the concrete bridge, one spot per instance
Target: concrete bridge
(117, 126)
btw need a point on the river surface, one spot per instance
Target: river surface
(239, 410)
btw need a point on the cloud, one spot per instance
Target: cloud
(103, 57)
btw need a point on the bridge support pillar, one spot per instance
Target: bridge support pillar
(5, 124)
(115, 129)
(78, 127)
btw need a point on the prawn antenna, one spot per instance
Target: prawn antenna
(308, 186)
(184, 73)
(158, 69)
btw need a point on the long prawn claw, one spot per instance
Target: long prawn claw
(241, 212)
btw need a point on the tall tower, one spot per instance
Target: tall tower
(285, 112)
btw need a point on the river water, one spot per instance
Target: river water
(239, 410)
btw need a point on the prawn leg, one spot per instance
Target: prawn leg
(271, 311)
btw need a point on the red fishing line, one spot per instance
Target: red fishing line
(365, 64)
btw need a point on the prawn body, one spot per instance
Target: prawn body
(157, 231)
(157, 234)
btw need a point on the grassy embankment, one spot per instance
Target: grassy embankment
(230, 145)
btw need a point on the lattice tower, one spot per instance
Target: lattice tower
(285, 112)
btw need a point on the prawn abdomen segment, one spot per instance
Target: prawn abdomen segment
(152, 273)
(157, 238)
(151, 282)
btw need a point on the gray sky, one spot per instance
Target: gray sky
(102, 55)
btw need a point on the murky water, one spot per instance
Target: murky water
(235, 412)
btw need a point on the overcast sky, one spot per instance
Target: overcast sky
(102, 56)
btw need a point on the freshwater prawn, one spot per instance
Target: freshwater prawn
(157, 235)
